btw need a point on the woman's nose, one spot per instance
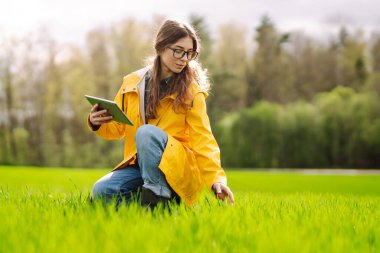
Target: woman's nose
(184, 57)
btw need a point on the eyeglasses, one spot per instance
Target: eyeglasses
(179, 53)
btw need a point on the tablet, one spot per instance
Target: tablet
(113, 109)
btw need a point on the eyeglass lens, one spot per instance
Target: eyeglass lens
(179, 53)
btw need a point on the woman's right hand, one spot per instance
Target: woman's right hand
(97, 118)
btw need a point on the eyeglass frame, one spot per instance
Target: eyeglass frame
(184, 53)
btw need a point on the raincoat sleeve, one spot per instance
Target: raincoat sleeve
(113, 130)
(203, 142)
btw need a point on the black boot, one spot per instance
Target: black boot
(151, 200)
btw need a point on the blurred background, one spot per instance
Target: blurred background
(295, 84)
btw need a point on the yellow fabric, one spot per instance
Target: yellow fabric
(191, 160)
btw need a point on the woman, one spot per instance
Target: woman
(170, 151)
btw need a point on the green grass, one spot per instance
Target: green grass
(47, 210)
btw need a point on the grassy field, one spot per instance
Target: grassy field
(47, 210)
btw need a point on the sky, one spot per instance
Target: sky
(70, 20)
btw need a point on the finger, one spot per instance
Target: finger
(217, 189)
(108, 121)
(95, 107)
(105, 119)
(94, 122)
(106, 114)
(230, 196)
(99, 113)
(226, 192)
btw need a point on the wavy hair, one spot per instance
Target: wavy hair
(169, 33)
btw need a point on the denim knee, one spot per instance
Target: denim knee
(102, 189)
(146, 133)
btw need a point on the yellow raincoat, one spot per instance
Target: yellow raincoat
(191, 160)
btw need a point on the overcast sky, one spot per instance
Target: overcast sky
(69, 20)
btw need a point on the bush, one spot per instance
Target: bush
(340, 128)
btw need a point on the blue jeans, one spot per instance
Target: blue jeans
(125, 183)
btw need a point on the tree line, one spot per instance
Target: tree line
(277, 99)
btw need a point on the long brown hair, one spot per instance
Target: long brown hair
(169, 33)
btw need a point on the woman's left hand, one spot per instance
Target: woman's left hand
(222, 191)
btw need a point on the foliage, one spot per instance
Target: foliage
(272, 90)
(337, 129)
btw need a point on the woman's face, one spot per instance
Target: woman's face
(169, 63)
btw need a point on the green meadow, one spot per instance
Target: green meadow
(48, 210)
